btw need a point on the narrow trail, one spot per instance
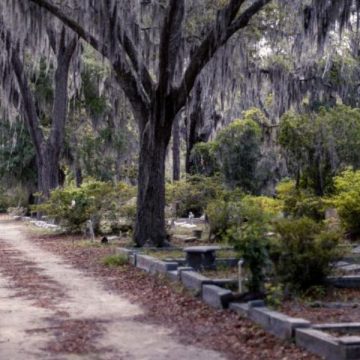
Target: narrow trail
(50, 310)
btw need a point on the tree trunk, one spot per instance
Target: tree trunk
(49, 169)
(150, 218)
(176, 150)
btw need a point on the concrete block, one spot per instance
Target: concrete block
(146, 263)
(173, 275)
(256, 303)
(318, 342)
(284, 326)
(180, 269)
(163, 267)
(350, 347)
(260, 315)
(194, 281)
(216, 296)
(241, 308)
(276, 323)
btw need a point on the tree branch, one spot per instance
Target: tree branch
(169, 44)
(103, 49)
(28, 101)
(217, 37)
(64, 55)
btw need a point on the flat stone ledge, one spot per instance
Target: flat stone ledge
(173, 275)
(153, 266)
(277, 323)
(346, 327)
(216, 296)
(180, 269)
(243, 309)
(194, 281)
(240, 308)
(319, 342)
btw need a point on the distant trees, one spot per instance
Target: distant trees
(47, 148)
(318, 145)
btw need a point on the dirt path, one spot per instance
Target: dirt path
(50, 310)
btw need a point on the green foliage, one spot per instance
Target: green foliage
(193, 194)
(319, 145)
(274, 294)
(303, 252)
(228, 212)
(203, 158)
(115, 260)
(299, 202)
(239, 152)
(244, 223)
(248, 235)
(73, 206)
(17, 154)
(347, 200)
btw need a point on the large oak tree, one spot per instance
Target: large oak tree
(158, 89)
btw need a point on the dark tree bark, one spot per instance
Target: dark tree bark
(193, 122)
(176, 150)
(156, 106)
(47, 150)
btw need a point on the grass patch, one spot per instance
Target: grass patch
(115, 260)
(165, 254)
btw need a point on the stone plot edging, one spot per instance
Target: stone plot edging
(274, 322)
(153, 266)
(310, 337)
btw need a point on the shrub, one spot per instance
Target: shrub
(234, 208)
(303, 252)
(249, 237)
(73, 206)
(244, 224)
(239, 152)
(203, 158)
(299, 202)
(193, 194)
(347, 200)
(219, 216)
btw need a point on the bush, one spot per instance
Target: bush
(231, 210)
(203, 158)
(299, 202)
(239, 152)
(193, 194)
(303, 252)
(347, 200)
(244, 224)
(94, 200)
